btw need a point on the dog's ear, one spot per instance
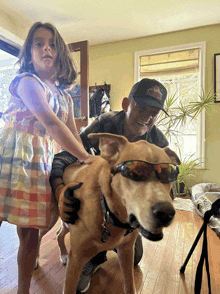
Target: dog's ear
(110, 145)
(172, 155)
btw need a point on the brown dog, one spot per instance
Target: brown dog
(116, 203)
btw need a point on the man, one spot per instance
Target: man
(135, 122)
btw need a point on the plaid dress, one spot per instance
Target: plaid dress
(26, 155)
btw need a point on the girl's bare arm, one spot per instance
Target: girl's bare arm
(33, 96)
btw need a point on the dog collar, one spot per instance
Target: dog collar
(109, 216)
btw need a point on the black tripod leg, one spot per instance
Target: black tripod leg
(182, 269)
(204, 257)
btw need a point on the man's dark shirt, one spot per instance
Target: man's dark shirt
(110, 122)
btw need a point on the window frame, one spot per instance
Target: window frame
(10, 43)
(9, 48)
(202, 62)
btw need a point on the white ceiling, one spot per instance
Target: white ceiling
(104, 21)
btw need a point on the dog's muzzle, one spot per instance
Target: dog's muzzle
(162, 215)
(148, 235)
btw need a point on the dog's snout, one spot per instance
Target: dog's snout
(163, 212)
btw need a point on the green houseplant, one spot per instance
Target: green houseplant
(188, 164)
(181, 115)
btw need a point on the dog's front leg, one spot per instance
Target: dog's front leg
(80, 253)
(74, 268)
(126, 260)
(61, 233)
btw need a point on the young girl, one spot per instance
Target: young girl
(40, 112)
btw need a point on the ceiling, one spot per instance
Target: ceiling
(104, 21)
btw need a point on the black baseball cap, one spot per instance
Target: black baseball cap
(149, 92)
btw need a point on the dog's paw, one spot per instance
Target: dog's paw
(68, 204)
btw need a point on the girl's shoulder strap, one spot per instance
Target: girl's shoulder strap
(16, 80)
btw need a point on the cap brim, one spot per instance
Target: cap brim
(150, 102)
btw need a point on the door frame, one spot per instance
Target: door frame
(83, 48)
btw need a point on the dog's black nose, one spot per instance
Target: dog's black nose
(163, 212)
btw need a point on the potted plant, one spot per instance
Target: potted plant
(181, 115)
(188, 164)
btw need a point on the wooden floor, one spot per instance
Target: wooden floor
(158, 272)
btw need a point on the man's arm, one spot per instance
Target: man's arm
(60, 162)
(64, 195)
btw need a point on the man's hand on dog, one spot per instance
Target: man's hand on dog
(67, 203)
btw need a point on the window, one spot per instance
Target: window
(181, 70)
(8, 58)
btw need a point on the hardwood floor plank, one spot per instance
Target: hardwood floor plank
(167, 276)
(187, 240)
(155, 266)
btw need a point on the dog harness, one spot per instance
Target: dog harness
(110, 217)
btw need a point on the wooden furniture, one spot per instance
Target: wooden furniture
(83, 48)
(158, 272)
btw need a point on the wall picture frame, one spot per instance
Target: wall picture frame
(217, 77)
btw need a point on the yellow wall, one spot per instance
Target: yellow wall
(113, 63)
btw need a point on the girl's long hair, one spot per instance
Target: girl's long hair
(65, 67)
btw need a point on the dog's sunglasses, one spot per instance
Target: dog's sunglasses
(138, 170)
